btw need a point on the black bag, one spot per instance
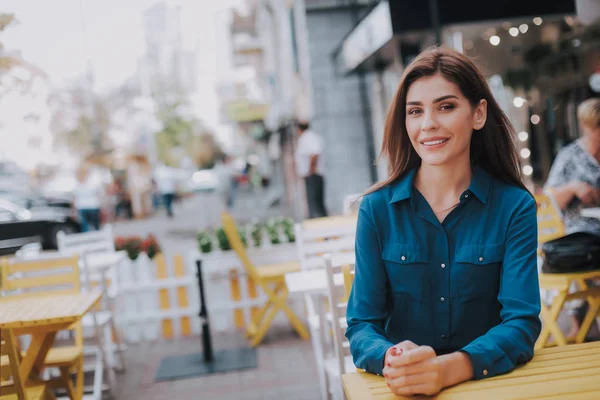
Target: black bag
(576, 252)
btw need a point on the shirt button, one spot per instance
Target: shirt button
(480, 259)
(443, 265)
(466, 196)
(485, 372)
(404, 258)
(442, 299)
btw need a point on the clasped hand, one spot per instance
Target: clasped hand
(411, 369)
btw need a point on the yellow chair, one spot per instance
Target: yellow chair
(271, 278)
(12, 384)
(43, 277)
(551, 226)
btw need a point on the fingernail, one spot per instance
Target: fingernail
(389, 364)
(399, 352)
(394, 351)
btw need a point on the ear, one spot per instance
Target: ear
(480, 114)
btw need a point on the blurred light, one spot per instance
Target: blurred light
(525, 153)
(576, 42)
(518, 102)
(514, 32)
(489, 33)
(527, 170)
(538, 21)
(495, 40)
(535, 119)
(523, 136)
(523, 28)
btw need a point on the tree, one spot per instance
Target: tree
(184, 134)
(11, 62)
(79, 122)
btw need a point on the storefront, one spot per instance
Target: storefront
(393, 32)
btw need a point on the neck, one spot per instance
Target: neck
(591, 145)
(443, 184)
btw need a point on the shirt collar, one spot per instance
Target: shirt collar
(480, 186)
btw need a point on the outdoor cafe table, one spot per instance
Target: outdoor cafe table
(567, 372)
(43, 317)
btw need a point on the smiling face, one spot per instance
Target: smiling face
(440, 120)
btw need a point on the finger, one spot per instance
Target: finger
(419, 354)
(406, 345)
(422, 388)
(408, 381)
(428, 365)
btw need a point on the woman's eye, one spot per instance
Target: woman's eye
(447, 107)
(414, 111)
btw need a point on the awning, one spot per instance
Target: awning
(371, 43)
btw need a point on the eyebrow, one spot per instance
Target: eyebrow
(418, 103)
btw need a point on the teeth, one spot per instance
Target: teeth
(434, 142)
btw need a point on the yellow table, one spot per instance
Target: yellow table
(569, 372)
(42, 317)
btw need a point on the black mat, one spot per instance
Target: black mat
(193, 365)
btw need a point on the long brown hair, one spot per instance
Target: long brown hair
(492, 147)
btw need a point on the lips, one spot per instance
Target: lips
(434, 141)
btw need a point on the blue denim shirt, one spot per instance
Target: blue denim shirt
(468, 284)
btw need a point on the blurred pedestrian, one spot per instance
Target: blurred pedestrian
(166, 186)
(139, 186)
(310, 167)
(87, 198)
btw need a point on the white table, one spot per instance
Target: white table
(593, 212)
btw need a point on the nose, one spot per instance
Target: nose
(429, 122)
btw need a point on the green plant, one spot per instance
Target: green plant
(205, 243)
(256, 231)
(224, 242)
(131, 245)
(289, 234)
(150, 246)
(222, 239)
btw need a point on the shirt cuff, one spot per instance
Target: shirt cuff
(375, 363)
(485, 363)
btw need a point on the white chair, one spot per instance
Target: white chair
(314, 238)
(338, 268)
(86, 244)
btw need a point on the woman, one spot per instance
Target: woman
(574, 183)
(446, 285)
(574, 179)
(87, 200)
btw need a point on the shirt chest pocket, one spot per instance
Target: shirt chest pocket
(406, 265)
(477, 271)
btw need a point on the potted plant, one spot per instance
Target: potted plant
(256, 232)
(205, 243)
(132, 246)
(151, 246)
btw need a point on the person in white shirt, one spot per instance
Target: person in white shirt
(87, 198)
(310, 166)
(166, 186)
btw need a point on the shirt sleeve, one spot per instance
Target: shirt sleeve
(314, 145)
(367, 305)
(559, 172)
(511, 343)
